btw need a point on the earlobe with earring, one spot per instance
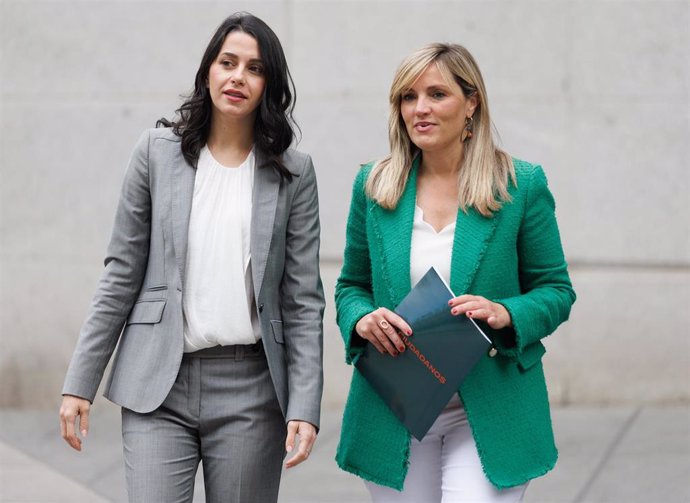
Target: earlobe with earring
(467, 132)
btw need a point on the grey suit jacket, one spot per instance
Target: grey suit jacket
(139, 297)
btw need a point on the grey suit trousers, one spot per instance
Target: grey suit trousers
(223, 411)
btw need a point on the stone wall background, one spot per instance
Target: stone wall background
(595, 91)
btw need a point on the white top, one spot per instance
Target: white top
(217, 296)
(430, 248)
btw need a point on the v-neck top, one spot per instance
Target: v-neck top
(430, 248)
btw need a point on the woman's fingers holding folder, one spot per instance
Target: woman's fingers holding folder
(380, 327)
(480, 308)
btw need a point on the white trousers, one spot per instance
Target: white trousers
(445, 467)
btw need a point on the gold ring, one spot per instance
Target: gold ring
(384, 324)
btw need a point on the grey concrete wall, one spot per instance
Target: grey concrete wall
(595, 91)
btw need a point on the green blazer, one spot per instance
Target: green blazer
(515, 258)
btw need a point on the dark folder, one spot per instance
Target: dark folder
(418, 383)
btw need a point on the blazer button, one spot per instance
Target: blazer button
(261, 308)
(493, 352)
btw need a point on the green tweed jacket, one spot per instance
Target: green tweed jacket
(515, 258)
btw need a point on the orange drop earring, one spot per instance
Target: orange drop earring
(467, 132)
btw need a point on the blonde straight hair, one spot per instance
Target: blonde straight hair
(486, 170)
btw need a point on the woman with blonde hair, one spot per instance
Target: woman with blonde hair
(448, 197)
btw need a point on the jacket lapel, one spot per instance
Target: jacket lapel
(472, 235)
(264, 203)
(182, 184)
(393, 231)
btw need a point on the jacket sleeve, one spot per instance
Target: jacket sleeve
(303, 302)
(353, 289)
(547, 294)
(120, 282)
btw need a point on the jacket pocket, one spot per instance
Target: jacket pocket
(157, 288)
(277, 327)
(147, 311)
(531, 355)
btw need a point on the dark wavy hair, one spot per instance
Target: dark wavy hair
(273, 126)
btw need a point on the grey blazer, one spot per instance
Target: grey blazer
(139, 297)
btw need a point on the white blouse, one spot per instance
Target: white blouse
(216, 300)
(430, 248)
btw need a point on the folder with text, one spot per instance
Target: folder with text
(418, 383)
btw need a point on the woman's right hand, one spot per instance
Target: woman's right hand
(381, 328)
(73, 406)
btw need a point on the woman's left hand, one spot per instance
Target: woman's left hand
(480, 308)
(307, 436)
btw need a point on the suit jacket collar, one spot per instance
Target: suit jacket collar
(182, 190)
(393, 233)
(264, 202)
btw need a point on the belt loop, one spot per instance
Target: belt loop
(239, 352)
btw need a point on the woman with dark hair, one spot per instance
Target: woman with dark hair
(212, 288)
